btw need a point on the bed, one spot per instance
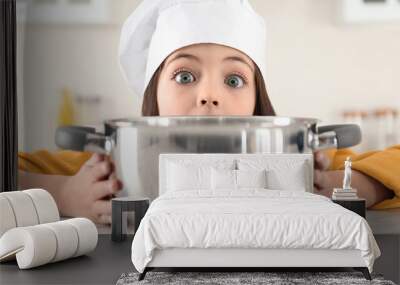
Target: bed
(245, 211)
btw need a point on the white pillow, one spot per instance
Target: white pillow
(251, 178)
(230, 179)
(293, 180)
(282, 173)
(187, 177)
(223, 179)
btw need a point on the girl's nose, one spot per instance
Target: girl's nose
(209, 102)
(208, 93)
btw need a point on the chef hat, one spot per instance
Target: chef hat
(159, 27)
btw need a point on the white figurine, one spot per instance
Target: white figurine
(347, 192)
(347, 174)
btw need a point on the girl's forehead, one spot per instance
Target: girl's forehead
(205, 50)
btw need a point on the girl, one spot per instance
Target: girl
(191, 57)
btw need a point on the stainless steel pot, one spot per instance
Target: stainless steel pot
(135, 144)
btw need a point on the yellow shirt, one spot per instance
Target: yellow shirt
(383, 166)
(65, 162)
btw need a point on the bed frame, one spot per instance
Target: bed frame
(247, 259)
(262, 259)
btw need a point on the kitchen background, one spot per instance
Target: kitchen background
(336, 60)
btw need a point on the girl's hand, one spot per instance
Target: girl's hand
(367, 187)
(324, 180)
(88, 193)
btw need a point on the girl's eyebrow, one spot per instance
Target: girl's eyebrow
(183, 55)
(191, 56)
(239, 59)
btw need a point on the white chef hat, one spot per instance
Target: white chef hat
(159, 27)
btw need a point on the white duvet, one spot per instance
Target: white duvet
(251, 218)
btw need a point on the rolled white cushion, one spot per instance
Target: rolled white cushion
(67, 239)
(87, 235)
(23, 208)
(33, 245)
(7, 218)
(45, 205)
(40, 244)
(251, 178)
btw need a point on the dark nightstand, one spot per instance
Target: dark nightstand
(126, 204)
(355, 205)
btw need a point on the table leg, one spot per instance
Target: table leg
(116, 223)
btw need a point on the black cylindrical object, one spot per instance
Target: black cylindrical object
(8, 98)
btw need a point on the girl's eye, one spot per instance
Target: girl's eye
(184, 77)
(234, 81)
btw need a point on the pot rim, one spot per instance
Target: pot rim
(171, 121)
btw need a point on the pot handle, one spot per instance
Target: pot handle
(81, 138)
(339, 136)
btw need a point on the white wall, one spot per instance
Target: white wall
(317, 67)
(82, 58)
